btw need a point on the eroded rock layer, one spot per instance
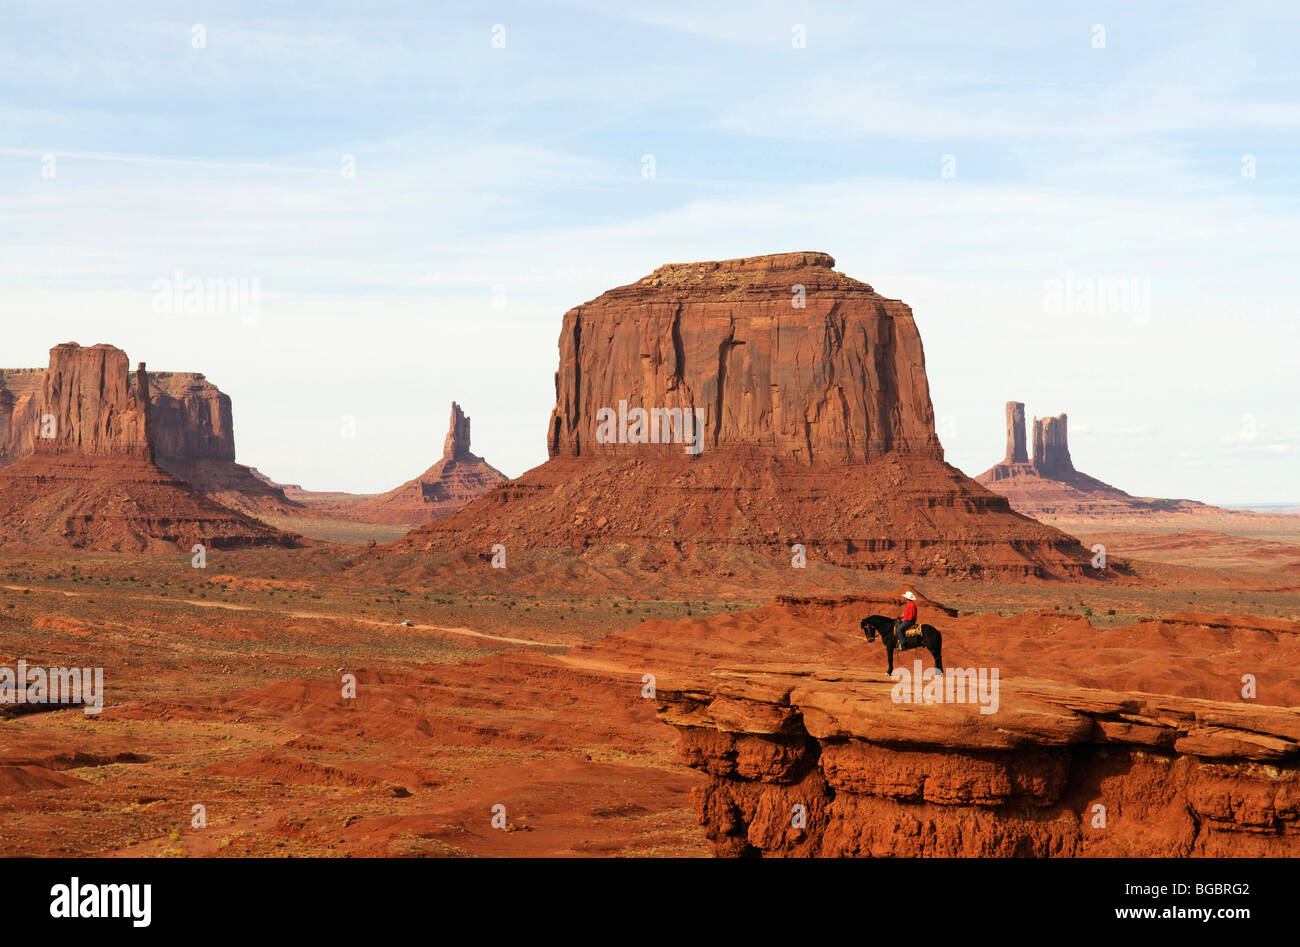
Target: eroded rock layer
(1128, 742)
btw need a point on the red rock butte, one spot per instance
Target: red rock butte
(815, 427)
(456, 479)
(781, 352)
(87, 474)
(194, 437)
(190, 421)
(1049, 485)
(93, 406)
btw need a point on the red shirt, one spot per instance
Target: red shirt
(909, 611)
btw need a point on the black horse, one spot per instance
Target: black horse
(881, 625)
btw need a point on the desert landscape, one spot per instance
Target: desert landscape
(650, 644)
(574, 467)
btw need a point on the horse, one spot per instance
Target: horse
(881, 625)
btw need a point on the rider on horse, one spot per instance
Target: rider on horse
(908, 619)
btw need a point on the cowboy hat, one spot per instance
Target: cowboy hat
(910, 595)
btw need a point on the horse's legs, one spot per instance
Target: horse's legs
(935, 647)
(889, 650)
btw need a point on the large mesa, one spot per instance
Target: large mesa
(747, 405)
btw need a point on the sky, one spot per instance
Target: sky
(1090, 207)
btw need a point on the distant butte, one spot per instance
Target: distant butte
(1049, 485)
(192, 433)
(195, 437)
(456, 479)
(89, 476)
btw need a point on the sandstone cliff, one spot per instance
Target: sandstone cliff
(1058, 770)
(91, 481)
(778, 352)
(20, 411)
(1049, 486)
(192, 418)
(456, 479)
(1051, 446)
(1016, 434)
(751, 404)
(194, 434)
(1129, 741)
(91, 405)
(191, 421)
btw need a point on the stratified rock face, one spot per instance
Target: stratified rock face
(807, 752)
(91, 480)
(20, 411)
(92, 405)
(746, 406)
(456, 445)
(1051, 447)
(192, 419)
(192, 430)
(1016, 434)
(1049, 486)
(452, 482)
(776, 352)
(880, 779)
(194, 434)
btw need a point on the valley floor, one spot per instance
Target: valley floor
(519, 688)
